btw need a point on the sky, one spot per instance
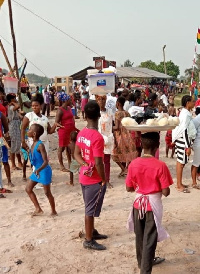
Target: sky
(116, 29)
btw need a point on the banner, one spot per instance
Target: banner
(1, 2)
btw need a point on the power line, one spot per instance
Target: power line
(24, 56)
(57, 28)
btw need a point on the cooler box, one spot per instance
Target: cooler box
(10, 85)
(102, 82)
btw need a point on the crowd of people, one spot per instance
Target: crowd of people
(24, 133)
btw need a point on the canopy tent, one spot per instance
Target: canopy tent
(126, 72)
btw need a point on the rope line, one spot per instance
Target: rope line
(57, 28)
(24, 56)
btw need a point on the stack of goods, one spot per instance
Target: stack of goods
(157, 122)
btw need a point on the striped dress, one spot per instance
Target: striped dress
(183, 136)
(180, 145)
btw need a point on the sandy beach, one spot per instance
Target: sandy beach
(52, 245)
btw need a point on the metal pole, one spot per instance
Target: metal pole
(6, 58)
(164, 59)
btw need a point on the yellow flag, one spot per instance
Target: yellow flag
(1, 2)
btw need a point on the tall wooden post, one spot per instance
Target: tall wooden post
(165, 69)
(14, 49)
(6, 58)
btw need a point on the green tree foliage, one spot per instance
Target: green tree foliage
(172, 69)
(127, 63)
(149, 64)
(188, 72)
(38, 80)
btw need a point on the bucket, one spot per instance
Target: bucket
(10, 85)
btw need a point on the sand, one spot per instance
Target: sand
(52, 245)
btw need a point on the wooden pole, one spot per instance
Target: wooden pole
(14, 50)
(164, 59)
(6, 58)
(13, 37)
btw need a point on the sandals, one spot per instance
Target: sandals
(5, 190)
(2, 196)
(184, 190)
(122, 174)
(196, 186)
(158, 260)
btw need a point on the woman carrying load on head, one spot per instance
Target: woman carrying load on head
(124, 147)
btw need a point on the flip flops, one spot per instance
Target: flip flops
(184, 190)
(2, 196)
(158, 260)
(5, 190)
(196, 186)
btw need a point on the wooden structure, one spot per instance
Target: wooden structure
(101, 63)
(65, 82)
(81, 75)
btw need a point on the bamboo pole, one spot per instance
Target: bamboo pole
(14, 50)
(6, 58)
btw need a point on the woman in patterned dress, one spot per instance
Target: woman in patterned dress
(14, 130)
(124, 148)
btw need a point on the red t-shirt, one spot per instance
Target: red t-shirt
(3, 110)
(147, 176)
(91, 143)
(197, 104)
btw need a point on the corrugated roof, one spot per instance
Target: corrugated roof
(126, 72)
(154, 73)
(137, 72)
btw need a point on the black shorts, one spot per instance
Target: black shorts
(93, 196)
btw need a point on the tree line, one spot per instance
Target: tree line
(172, 69)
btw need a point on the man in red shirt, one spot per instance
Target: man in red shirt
(197, 103)
(89, 153)
(3, 109)
(150, 178)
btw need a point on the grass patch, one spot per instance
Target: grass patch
(178, 97)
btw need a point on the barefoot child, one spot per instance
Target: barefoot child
(42, 171)
(150, 178)
(74, 165)
(169, 144)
